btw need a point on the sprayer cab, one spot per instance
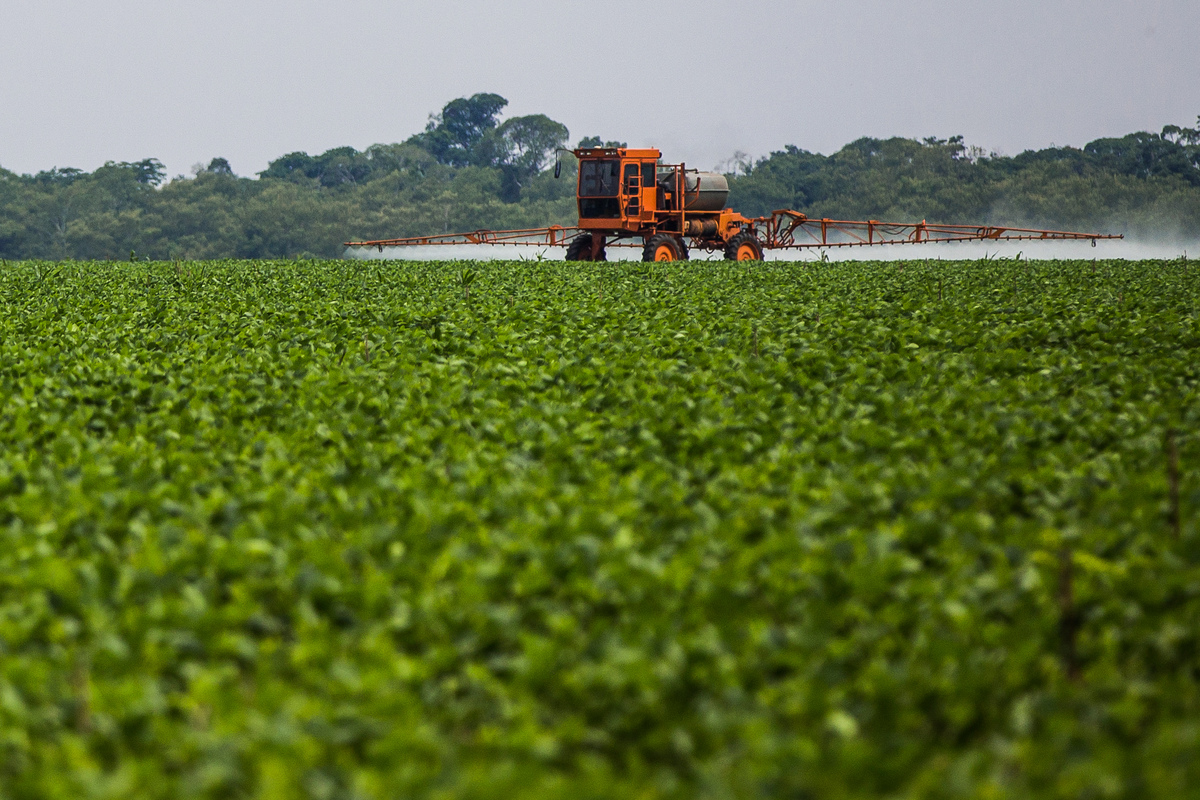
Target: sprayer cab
(616, 187)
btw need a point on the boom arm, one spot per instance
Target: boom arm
(783, 230)
(792, 230)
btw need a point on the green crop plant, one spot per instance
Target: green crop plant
(377, 530)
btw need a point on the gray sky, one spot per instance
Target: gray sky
(84, 82)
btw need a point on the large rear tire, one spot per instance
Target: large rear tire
(743, 247)
(580, 249)
(664, 247)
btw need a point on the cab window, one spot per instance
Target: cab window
(648, 174)
(599, 178)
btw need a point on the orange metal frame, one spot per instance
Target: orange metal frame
(554, 236)
(782, 228)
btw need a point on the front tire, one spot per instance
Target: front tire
(664, 247)
(580, 249)
(743, 247)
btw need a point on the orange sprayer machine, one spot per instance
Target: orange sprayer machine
(628, 198)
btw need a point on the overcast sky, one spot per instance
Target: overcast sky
(84, 82)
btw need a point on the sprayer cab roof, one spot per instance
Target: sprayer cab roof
(617, 152)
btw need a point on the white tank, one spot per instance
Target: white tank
(706, 191)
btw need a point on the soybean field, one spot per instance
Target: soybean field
(923, 529)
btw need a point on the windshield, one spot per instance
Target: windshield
(599, 178)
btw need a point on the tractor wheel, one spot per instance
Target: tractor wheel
(664, 247)
(580, 249)
(743, 247)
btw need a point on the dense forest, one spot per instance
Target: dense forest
(471, 168)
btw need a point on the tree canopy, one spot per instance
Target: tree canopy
(458, 136)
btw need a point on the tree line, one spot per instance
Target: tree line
(471, 168)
